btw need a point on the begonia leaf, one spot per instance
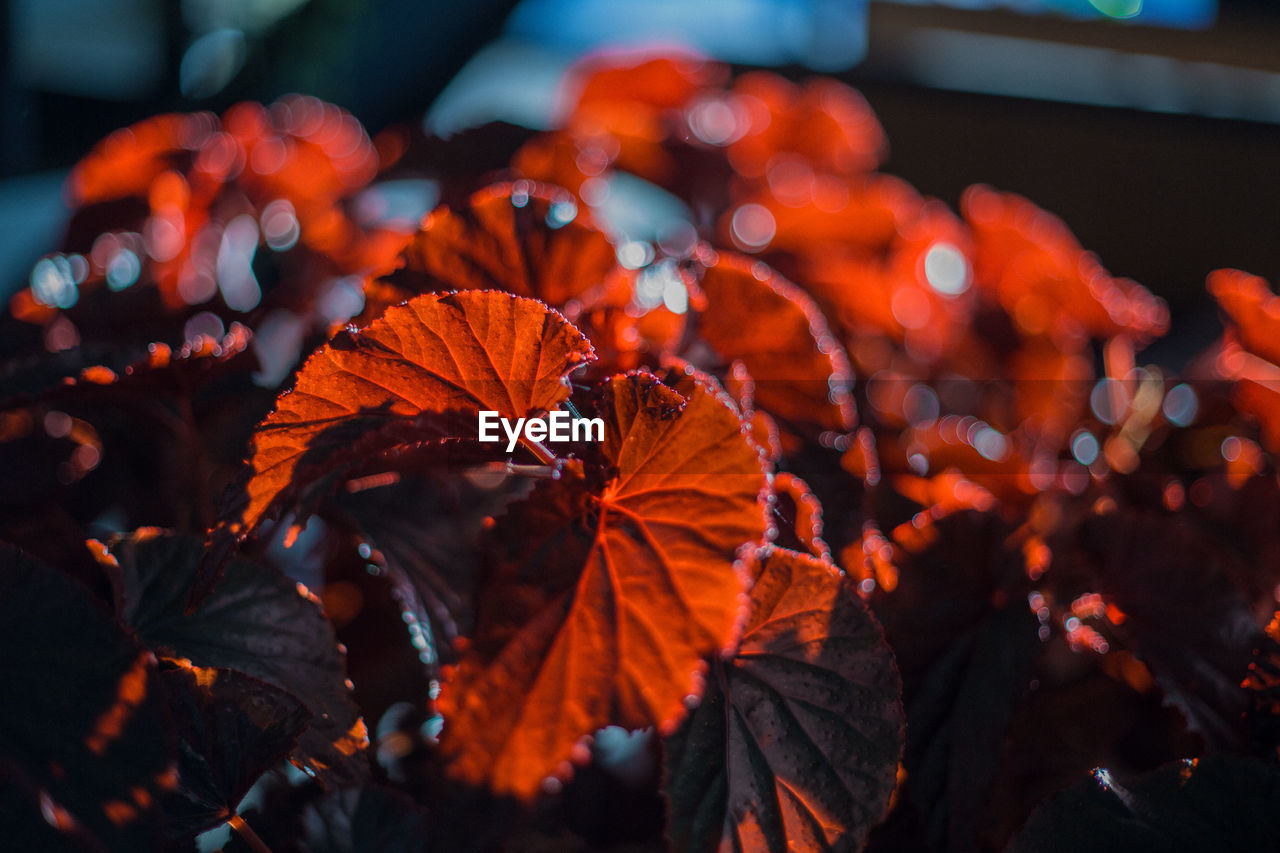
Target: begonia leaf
(258, 622)
(419, 374)
(608, 588)
(797, 740)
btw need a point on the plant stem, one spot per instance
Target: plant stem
(246, 832)
(539, 450)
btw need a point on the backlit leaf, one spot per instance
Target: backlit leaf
(798, 516)
(607, 591)
(1029, 260)
(525, 238)
(801, 372)
(418, 374)
(1249, 355)
(822, 125)
(796, 743)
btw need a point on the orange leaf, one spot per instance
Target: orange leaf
(1251, 307)
(824, 123)
(801, 373)
(1250, 351)
(125, 163)
(607, 593)
(638, 81)
(800, 512)
(526, 238)
(1031, 262)
(398, 383)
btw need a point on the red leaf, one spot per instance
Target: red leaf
(626, 107)
(606, 593)
(635, 81)
(398, 383)
(1252, 309)
(823, 123)
(525, 238)
(1031, 262)
(801, 515)
(863, 213)
(1250, 352)
(796, 743)
(125, 163)
(801, 372)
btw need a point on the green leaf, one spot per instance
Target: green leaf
(256, 621)
(797, 740)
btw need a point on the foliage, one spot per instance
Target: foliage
(829, 404)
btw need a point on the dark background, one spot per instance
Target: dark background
(1162, 197)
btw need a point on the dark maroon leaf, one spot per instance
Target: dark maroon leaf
(424, 532)
(797, 740)
(1184, 615)
(1220, 802)
(83, 728)
(351, 820)
(258, 622)
(231, 729)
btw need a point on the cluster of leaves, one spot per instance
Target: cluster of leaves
(829, 404)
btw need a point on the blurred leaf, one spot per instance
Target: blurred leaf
(83, 729)
(368, 818)
(1219, 802)
(966, 644)
(351, 820)
(796, 742)
(1185, 616)
(802, 374)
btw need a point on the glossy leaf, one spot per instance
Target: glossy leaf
(607, 591)
(257, 622)
(797, 739)
(419, 374)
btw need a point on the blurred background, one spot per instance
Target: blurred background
(1151, 126)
